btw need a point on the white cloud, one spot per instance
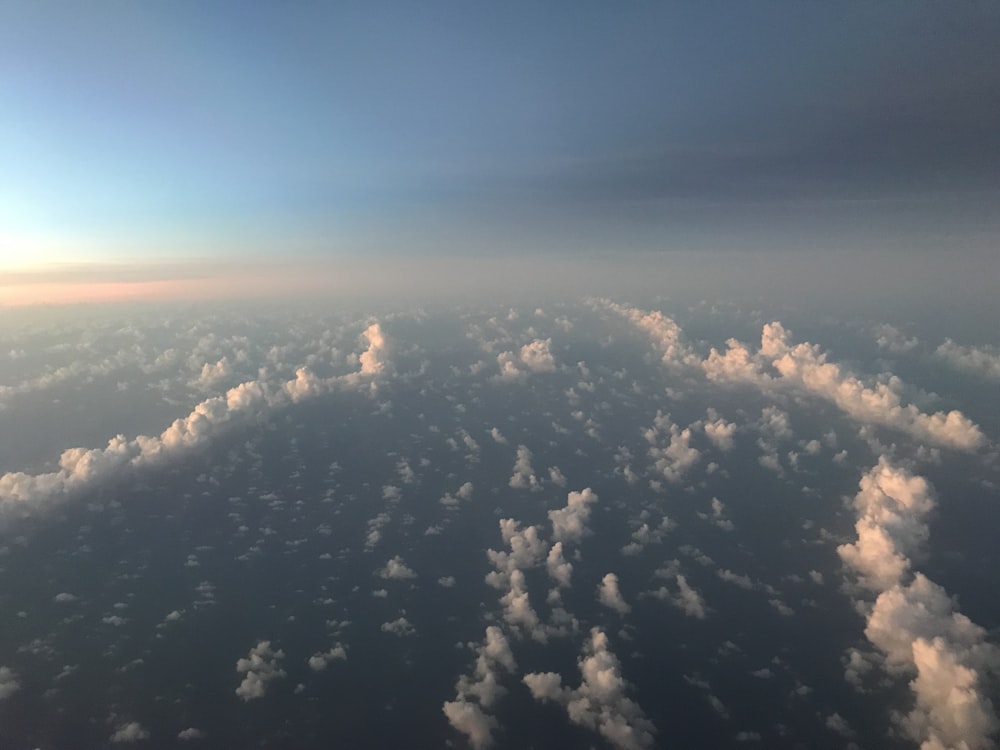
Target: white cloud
(82, 468)
(610, 596)
(373, 359)
(469, 719)
(914, 623)
(481, 690)
(8, 682)
(892, 339)
(569, 524)
(261, 666)
(671, 459)
(524, 477)
(537, 356)
(559, 569)
(320, 660)
(399, 627)
(686, 598)
(211, 374)
(396, 569)
(131, 732)
(720, 432)
(667, 336)
(805, 366)
(191, 733)
(981, 361)
(600, 703)
(557, 477)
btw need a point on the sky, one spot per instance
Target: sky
(163, 135)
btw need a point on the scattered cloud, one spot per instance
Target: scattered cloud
(600, 702)
(261, 666)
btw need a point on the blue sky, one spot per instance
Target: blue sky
(141, 131)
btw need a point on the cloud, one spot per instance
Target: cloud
(890, 506)
(667, 336)
(524, 477)
(534, 357)
(891, 339)
(400, 627)
(913, 622)
(261, 666)
(805, 366)
(674, 458)
(481, 689)
(537, 356)
(469, 719)
(600, 703)
(320, 660)
(374, 359)
(558, 568)
(686, 598)
(720, 432)
(396, 569)
(8, 682)
(211, 374)
(569, 524)
(81, 468)
(191, 733)
(610, 596)
(983, 362)
(131, 732)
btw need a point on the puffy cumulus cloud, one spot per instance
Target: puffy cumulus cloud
(462, 493)
(719, 431)
(913, 621)
(558, 568)
(133, 731)
(601, 701)
(537, 356)
(736, 363)
(400, 627)
(533, 357)
(527, 548)
(892, 339)
(469, 719)
(524, 477)
(646, 534)
(8, 682)
(305, 385)
(981, 361)
(685, 598)
(569, 524)
(481, 689)
(667, 336)
(191, 733)
(671, 458)
(610, 595)
(374, 359)
(261, 666)
(805, 366)
(890, 506)
(321, 660)
(82, 468)
(212, 374)
(396, 569)
(517, 609)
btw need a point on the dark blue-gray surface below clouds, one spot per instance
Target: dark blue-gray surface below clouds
(578, 525)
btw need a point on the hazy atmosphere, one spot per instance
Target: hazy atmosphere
(499, 375)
